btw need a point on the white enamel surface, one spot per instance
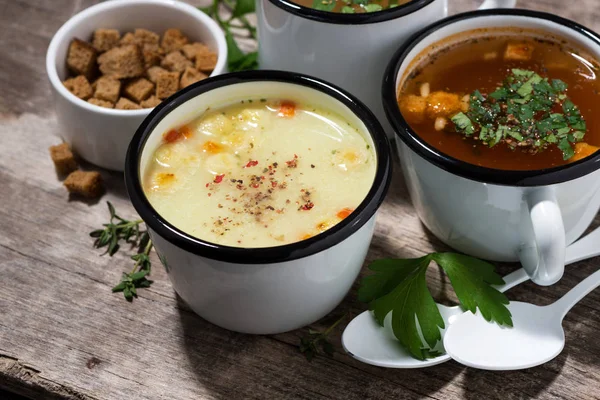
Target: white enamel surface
(101, 135)
(261, 298)
(372, 344)
(267, 298)
(353, 57)
(535, 338)
(495, 222)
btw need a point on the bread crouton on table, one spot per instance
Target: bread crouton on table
(175, 61)
(63, 159)
(107, 88)
(167, 84)
(191, 75)
(139, 89)
(122, 62)
(101, 103)
(105, 39)
(81, 58)
(126, 104)
(150, 102)
(85, 183)
(173, 39)
(79, 86)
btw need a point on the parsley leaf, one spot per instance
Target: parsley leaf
(399, 286)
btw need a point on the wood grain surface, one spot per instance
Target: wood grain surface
(64, 335)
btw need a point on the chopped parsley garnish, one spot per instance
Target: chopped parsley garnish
(523, 113)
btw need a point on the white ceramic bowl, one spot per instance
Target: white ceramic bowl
(101, 135)
(265, 290)
(526, 216)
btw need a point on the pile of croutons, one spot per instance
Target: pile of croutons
(136, 70)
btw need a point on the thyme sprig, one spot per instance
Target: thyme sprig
(317, 342)
(117, 230)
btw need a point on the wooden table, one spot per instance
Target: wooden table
(64, 335)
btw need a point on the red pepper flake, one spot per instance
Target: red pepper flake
(207, 184)
(251, 163)
(274, 184)
(219, 178)
(307, 206)
(210, 194)
(254, 185)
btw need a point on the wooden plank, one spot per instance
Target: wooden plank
(64, 335)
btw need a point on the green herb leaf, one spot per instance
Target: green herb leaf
(372, 7)
(347, 10)
(463, 123)
(566, 148)
(243, 7)
(323, 5)
(399, 286)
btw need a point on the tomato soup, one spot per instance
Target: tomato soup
(506, 102)
(260, 173)
(351, 6)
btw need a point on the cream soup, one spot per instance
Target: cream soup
(260, 173)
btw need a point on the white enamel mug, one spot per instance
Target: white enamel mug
(271, 289)
(349, 50)
(526, 216)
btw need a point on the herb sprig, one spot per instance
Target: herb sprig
(521, 114)
(239, 9)
(118, 230)
(317, 342)
(399, 286)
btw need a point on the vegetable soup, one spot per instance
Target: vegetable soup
(506, 102)
(351, 6)
(260, 173)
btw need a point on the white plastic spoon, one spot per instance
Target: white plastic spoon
(537, 336)
(365, 340)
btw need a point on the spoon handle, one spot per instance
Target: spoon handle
(584, 248)
(564, 304)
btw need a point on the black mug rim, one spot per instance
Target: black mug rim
(262, 255)
(404, 132)
(352, 19)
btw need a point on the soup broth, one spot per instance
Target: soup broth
(351, 6)
(260, 173)
(519, 135)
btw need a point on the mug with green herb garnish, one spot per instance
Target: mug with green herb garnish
(346, 42)
(496, 112)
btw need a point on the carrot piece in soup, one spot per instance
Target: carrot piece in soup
(287, 109)
(306, 236)
(212, 147)
(177, 134)
(186, 131)
(344, 212)
(583, 150)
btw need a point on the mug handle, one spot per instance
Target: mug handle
(544, 261)
(498, 4)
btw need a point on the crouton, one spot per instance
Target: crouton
(107, 88)
(139, 89)
(81, 58)
(105, 39)
(175, 61)
(152, 54)
(167, 84)
(153, 72)
(150, 102)
(413, 108)
(63, 159)
(206, 61)
(122, 62)
(126, 104)
(84, 183)
(583, 150)
(128, 38)
(101, 103)
(173, 40)
(145, 36)
(190, 50)
(189, 76)
(443, 104)
(521, 51)
(79, 86)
